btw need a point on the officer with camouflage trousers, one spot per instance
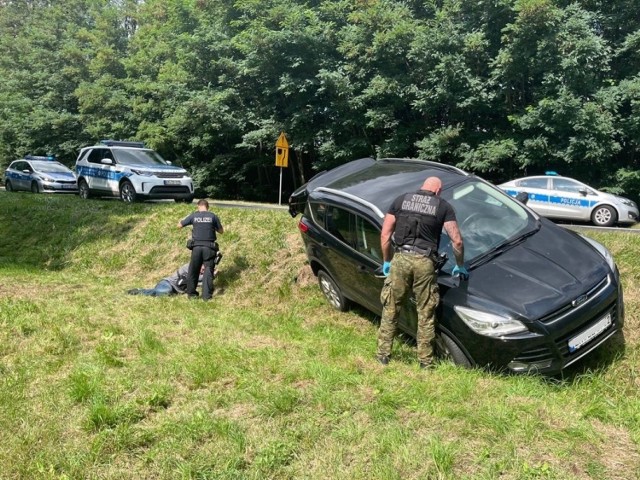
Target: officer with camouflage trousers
(416, 220)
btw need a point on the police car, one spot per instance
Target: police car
(130, 171)
(39, 174)
(563, 198)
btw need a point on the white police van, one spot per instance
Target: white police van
(130, 171)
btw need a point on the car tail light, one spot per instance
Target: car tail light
(303, 226)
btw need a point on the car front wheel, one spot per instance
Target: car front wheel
(127, 192)
(83, 190)
(603, 216)
(331, 291)
(34, 187)
(8, 187)
(447, 349)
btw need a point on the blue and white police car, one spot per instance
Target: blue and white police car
(563, 198)
(39, 174)
(132, 172)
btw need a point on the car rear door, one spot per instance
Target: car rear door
(539, 193)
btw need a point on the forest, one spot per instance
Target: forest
(501, 88)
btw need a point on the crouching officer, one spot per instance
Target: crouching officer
(416, 220)
(203, 248)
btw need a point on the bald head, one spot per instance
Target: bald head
(433, 184)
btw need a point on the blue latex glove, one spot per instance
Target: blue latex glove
(460, 272)
(386, 266)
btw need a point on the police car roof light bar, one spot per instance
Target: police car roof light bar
(122, 143)
(48, 158)
(551, 173)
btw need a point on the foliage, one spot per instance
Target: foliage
(502, 88)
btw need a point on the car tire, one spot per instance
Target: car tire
(83, 190)
(34, 187)
(331, 292)
(604, 216)
(447, 349)
(127, 192)
(8, 187)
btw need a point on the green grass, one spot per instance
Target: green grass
(266, 380)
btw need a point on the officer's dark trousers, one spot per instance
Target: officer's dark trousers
(201, 256)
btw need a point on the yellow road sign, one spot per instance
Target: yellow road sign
(282, 151)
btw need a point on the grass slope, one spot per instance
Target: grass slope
(265, 381)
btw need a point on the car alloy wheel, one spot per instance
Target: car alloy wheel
(331, 291)
(34, 187)
(127, 192)
(83, 190)
(603, 216)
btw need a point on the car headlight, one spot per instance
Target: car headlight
(489, 324)
(142, 173)
(45, 178)
(627, 202)
(602, 250)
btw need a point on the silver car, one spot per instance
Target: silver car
(564, 198)
(39, 174)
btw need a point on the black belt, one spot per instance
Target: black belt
(413, 250)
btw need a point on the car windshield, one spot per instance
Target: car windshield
(50, 167)
(488, 219)
(138, 157)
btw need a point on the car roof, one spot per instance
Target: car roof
(379, 182)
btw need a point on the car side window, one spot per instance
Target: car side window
(368, 239)
(98, 154)
(533, 183)
(565, 185)
(338, 223)
(318, 212)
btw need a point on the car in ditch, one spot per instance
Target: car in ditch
(563, 198)
(539, 297)
(39, 174)
(130, 171)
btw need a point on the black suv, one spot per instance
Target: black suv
(538, 299)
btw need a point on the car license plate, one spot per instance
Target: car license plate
(172, 182)
(590, 333)
(68, 186)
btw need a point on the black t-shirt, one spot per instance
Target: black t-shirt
(205, 224)
(419, 218)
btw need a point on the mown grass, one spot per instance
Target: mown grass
(265, 381)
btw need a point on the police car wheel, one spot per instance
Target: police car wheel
(83, 190)
(447, 349)
(127, 192)
(603, 216)
(8, 187)
(331, 292)
(34, 187)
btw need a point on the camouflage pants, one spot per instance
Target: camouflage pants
(409, 273)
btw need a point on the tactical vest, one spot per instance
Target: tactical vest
(203, 227)
(417, 222)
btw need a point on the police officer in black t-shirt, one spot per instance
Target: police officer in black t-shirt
(415, 220)
(203, 251)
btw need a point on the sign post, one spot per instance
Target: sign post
(282, 159)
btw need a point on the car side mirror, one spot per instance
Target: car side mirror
(26, 170)
(583, 191)
(106, 161)
(522, 197)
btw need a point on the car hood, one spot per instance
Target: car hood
(60, 175)
(157, 168)
(539, 276)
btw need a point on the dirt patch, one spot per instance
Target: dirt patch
(305, 276)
